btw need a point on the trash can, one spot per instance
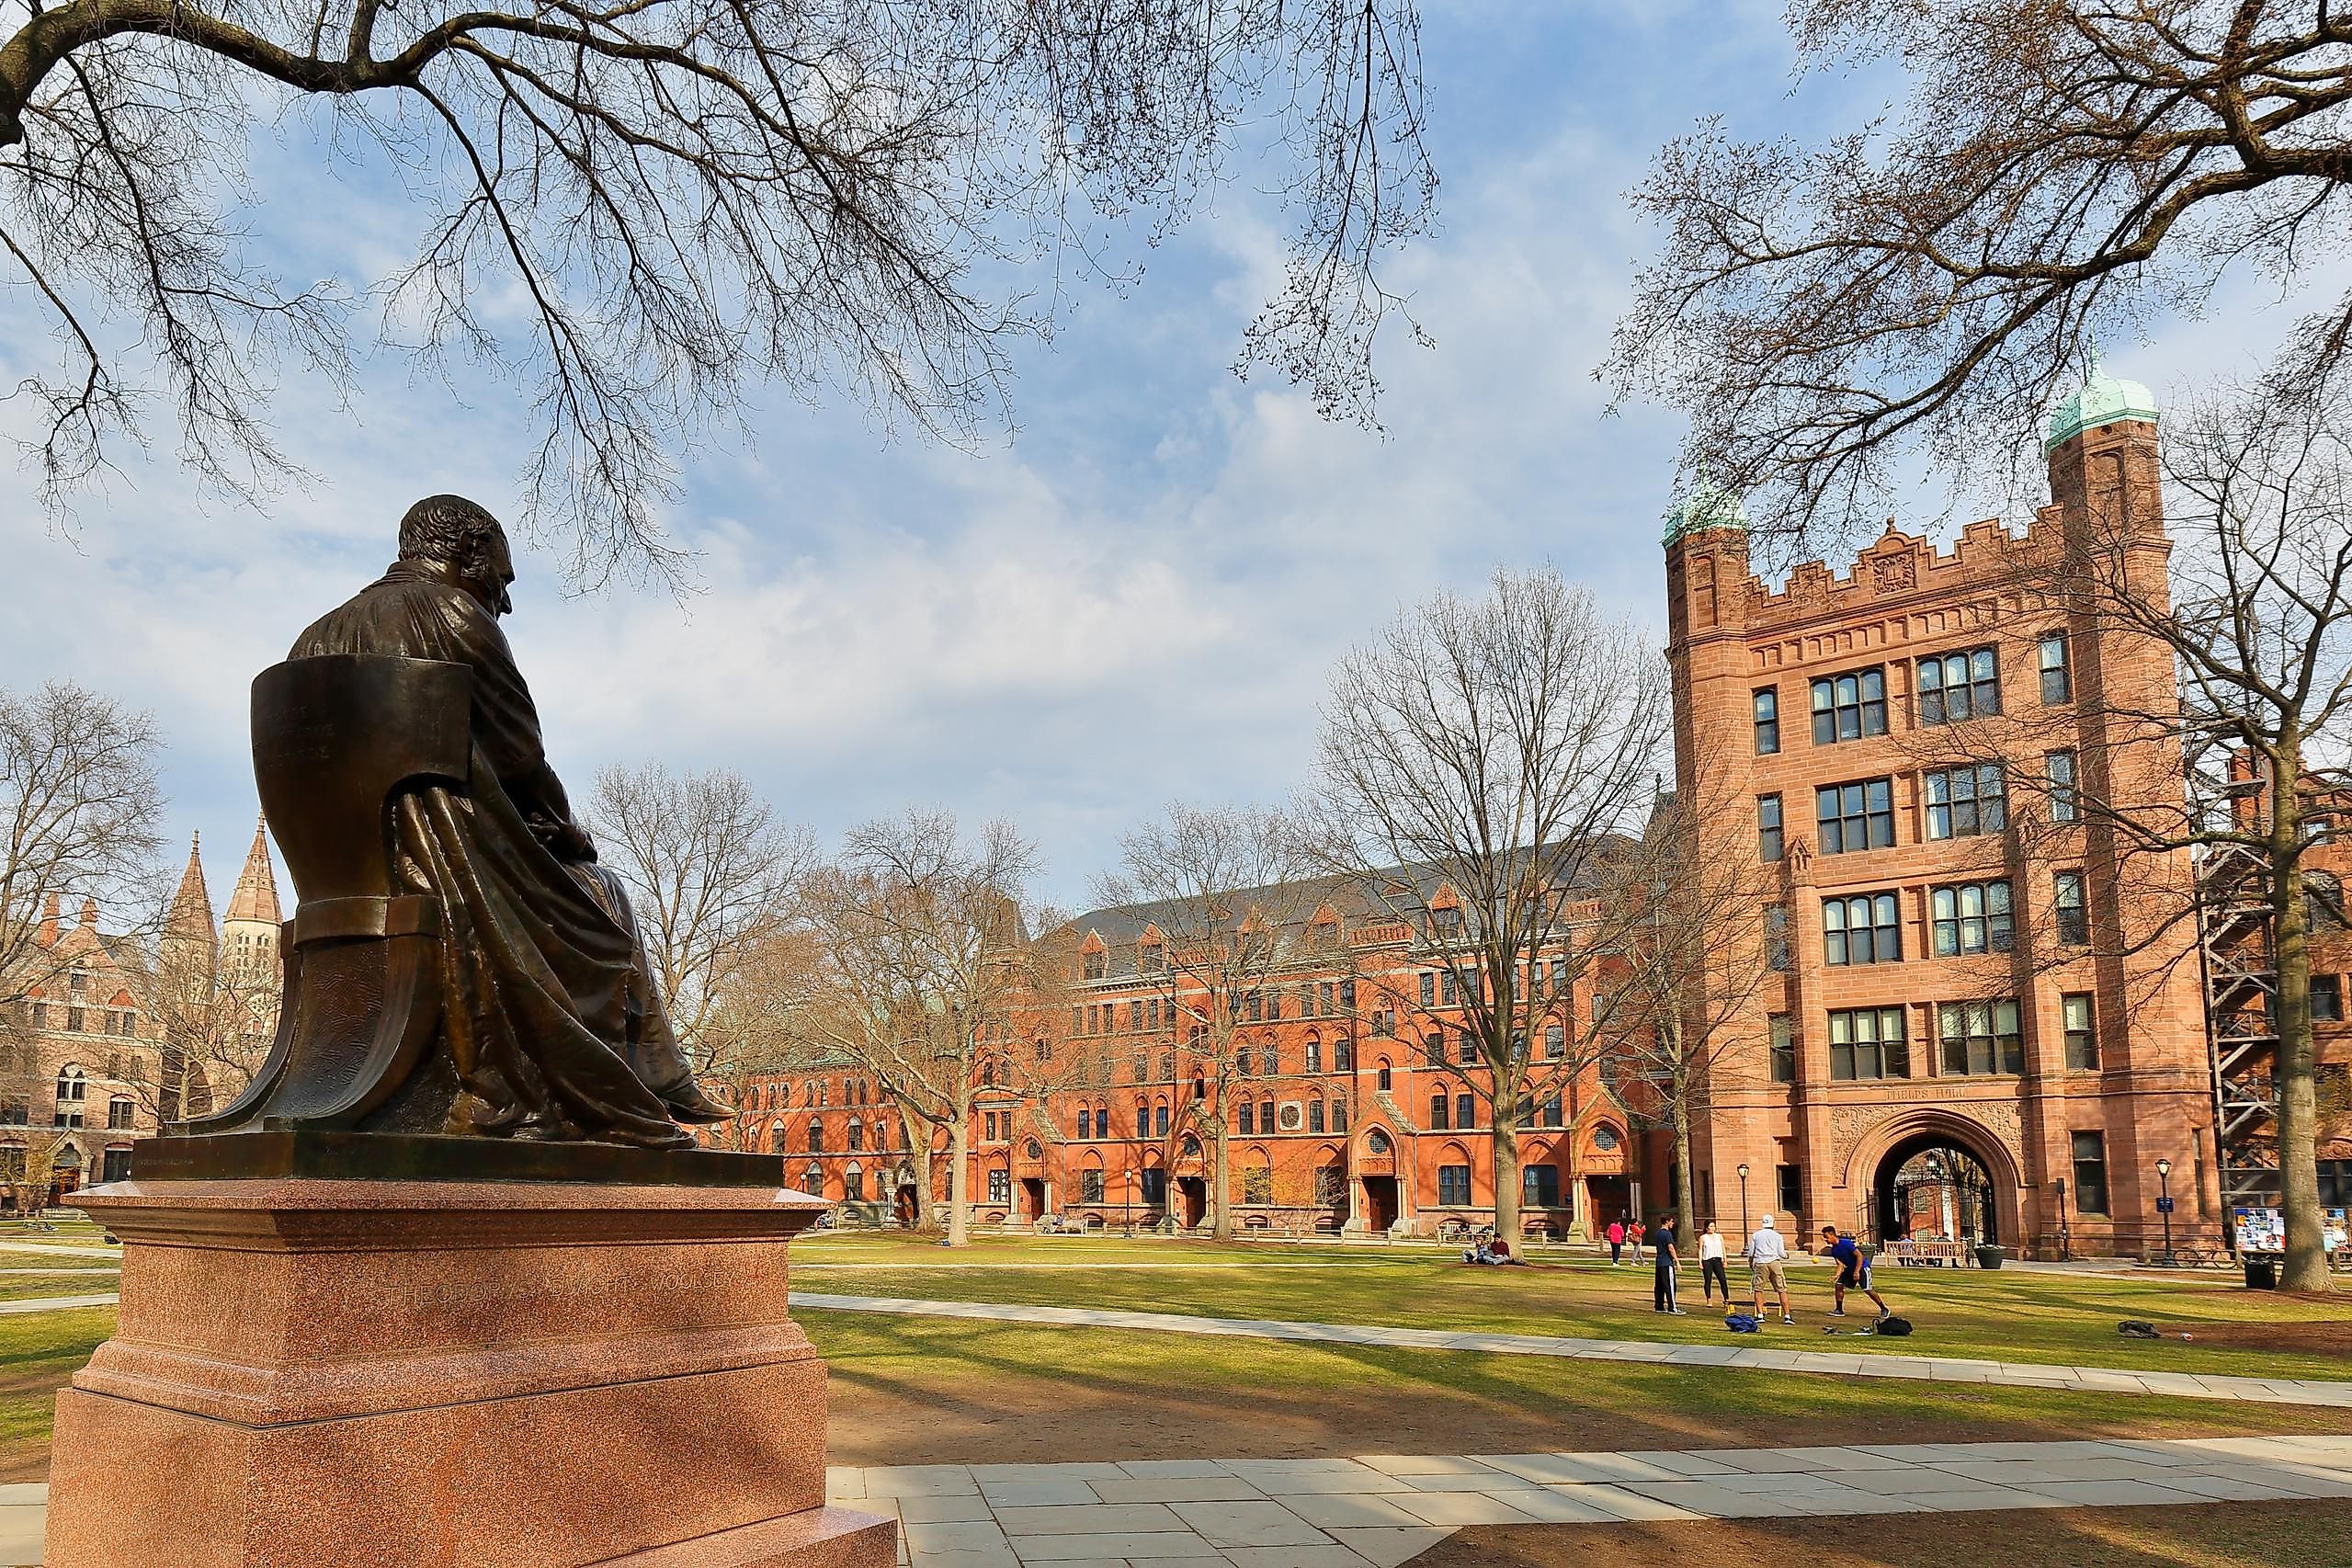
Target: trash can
(1989, 1257)
(2262, 1274)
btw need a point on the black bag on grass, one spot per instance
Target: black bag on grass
(1897, 1328)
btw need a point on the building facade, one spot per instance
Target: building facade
(1354, 1108)
(1982, 1026)
(100, 1044)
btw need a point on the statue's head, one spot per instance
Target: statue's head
(463, 538)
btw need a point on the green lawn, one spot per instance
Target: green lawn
(2009, 1315)
(39, 1352)
(931, 1390)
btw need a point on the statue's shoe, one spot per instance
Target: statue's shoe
(687, 1103)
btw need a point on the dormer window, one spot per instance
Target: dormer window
(1097, 964)
(1446, 921)
(1151, 958)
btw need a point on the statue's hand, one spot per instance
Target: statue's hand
(564, 840)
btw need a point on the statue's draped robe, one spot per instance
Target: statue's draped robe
(536, 973)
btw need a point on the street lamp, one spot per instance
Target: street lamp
(2165, 1205)
(1744, 1223)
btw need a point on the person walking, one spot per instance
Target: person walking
(1634, 1240)
(1616, 1241)
(1766, 1265)
(1853, 1271)
(1711, 1263)
(1662, 1288)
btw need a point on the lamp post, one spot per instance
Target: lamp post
(1743, 1222)
(2165, 1205)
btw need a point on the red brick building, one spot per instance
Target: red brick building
(1955, 1045)
(1351, 1113)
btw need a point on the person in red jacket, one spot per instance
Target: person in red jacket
(1616, 1241)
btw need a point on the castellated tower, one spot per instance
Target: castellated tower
(1974, 1029)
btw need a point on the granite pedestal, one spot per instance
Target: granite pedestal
(531, 1373)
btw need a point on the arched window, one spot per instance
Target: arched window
(816, 1135)
(813, 1180)
(1242, 1062)
(1339, 1116)
(72, 1087)
(1269, 1061)
(1343, 1055)
(1160, 1120)
(856, 1134)
(1385, 1074)
(853, 1184)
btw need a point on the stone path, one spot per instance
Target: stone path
(1740, 1351)
(1383, 1509)
(62, 1250)
(59, 1303)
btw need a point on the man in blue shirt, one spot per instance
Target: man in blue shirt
(1853, 1271)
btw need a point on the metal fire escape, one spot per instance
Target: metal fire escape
(2238, 947)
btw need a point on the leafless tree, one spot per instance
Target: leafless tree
(711, 875)
(631, 207)
(1225, 894)
(79, 808)
(1687, 901)
(919, 936)
(1477, 763)
(1922, 283)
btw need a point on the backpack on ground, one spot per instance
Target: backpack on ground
(1742, 1322)
(1897, 1328)
(2136, 1328)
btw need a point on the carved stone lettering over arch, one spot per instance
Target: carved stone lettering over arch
(1850, 1125)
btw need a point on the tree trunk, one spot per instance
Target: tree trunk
(928, 1166)
(1221, 1195)
(959, 1172)
(2298, 1078)
(1507, 1171)
(1682, 1204)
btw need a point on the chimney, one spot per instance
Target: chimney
(48, 921)
(90, 914)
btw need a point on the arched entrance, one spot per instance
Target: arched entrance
(1932, 1186)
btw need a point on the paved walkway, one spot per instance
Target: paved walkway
(59, 1303)
(91, 1253)
(1385, 1509)
(1381, 1510)
(1737, 1351)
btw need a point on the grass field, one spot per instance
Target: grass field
(2011, 1314)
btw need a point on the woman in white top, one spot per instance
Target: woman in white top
(1711, 1265)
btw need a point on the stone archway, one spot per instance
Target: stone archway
(1935, 1173)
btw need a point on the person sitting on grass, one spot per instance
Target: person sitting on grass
(1767, 1256)
(1853, 1271)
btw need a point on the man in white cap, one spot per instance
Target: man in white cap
(1766, 1254)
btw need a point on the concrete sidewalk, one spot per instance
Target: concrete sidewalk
(1381, 1510)
(1742, 1352)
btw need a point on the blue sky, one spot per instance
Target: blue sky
(1134, 598)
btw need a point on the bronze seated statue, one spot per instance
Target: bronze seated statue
(457, 963)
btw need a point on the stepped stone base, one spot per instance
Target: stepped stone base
(515, 1374)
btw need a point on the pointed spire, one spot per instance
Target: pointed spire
(89, 913)
(49, 919)
(255, 895)
(191, 915)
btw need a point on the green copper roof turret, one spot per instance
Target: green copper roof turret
(2102, 400)
(1705, 505)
